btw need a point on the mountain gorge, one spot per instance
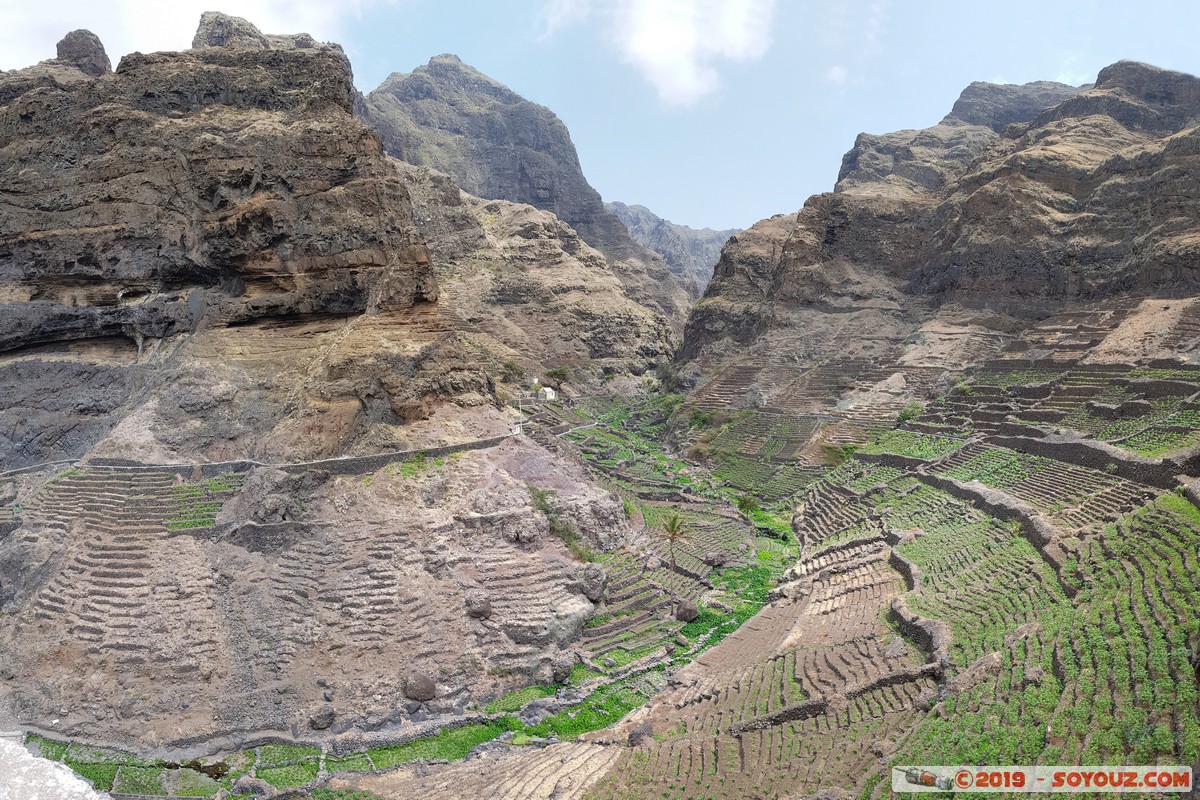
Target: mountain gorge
(690, 253)
(286, 511)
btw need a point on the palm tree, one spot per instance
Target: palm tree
(676, 531)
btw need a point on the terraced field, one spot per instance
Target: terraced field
(1005, 573)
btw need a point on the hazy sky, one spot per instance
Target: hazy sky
(710, 112)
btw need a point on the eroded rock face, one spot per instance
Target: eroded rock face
(536, 293)
(183, 194)
(1001, 209)
(497, 145)
(149, 205)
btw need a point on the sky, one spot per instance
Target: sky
(712, 113)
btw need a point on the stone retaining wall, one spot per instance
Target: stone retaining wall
(354, 465)
(1094, 455)
(932, 635)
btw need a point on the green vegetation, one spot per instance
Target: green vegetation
(450, 744)
(196, 505)
(602, 708)
(558, 375)
(913, 444)
(100, 776)
(293, 775)
(998, 467)
(515, 701)
(354, 762)
(274, 755)
(140, 780)
(342, 794)
(675, 532)
(512, 371)
(909, 412)
(416, 464)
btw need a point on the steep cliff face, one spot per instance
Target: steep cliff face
(497, 145)
(148, 210)
(493, 142)
(1075, 202)
(690, 253)
(205, 257)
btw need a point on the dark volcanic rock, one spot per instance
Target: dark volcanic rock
(687, 610)
(222, 30)
(83, 49)
(493, 142)
(141, 247)
(322, 719)
(420, 687)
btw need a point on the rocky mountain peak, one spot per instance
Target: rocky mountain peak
(1138, 96)
(223, 30)
(1151, 84)
(83, 49)
(495, 144)
(997, 105)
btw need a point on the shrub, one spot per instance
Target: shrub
(910, 412)
(747, 504)
(512, 371)
(559, 375)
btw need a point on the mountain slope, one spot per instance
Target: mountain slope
(961, 226)
(497, 145)
(264, 483)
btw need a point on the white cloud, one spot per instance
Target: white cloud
(31, 30)
(677, 45)
(836, 75)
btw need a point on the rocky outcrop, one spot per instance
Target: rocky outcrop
(534, 293)
(115, 228)
(149, 211)
(497, 145)
(494, 143)
(909, 163)
(83, 50)
(961, 224)
(690, 253)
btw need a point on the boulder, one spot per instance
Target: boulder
(322, 719)
(640, 734)
(83, 49)
(420, 687)
(562, 664)
(478, 605)
(595, 581)
(715, 558)
(687, 610)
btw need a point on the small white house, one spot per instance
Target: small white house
(546, 393)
